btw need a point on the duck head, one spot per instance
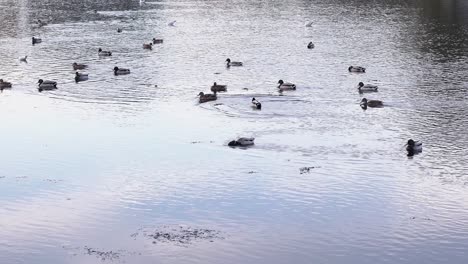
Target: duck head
(201, 94)
(410, 143)
(228, 60)
(116, 68)
(99, 50)
(364, 101)
(214, 84)
(360, 85)
(280, 82)
(40, 81)
(350, 68)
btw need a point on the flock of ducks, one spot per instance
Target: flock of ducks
(412, 146)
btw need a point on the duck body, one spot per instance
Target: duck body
(104, 53)
(4, 85)
(148, 46)
(367, 87)
(243, 142)
(78, 66)
(46, 85)
(24, 59)
(230, 63)
(371, 103)
(256, 104)
(79, 77)
(157, 41)
(356, 69)
(413, 147)
(36, 40)
(218, 87)
(121, 71)
(286, 85)
(207, 97)
(310, 45)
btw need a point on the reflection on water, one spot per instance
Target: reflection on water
(87, 166)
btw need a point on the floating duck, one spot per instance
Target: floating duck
(310, 45)
(286, 85)
(4, 85)
(413, 147)
(218, 87)
(78, 66)
(233, 63)
(46, 85)
(121, 71)
(24, 59)
(243, 142)
(371, 103)
(356, 69)
(367, 87)
(157, 41)
(41, 23)
(309, 24)
(148, 46)
(256, 104)
(119, 30)
(207, 97)
(172, 24)
(104, 53)
(79, 77)
(36, 40)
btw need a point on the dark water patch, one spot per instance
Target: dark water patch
(178, 235)
(117, 256)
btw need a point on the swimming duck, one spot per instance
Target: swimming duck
(41, 23)
(172, 24)
(309, 24)
(371, 103)
(207, 97)
(310, 45)
(286, 86)
(233, 63)
(157, 41)
(356, 69)
(104, 53)
(243, 142)
(46, 85)
(256, 104)
(121, 71)
(367, 87)
(24, 59)
(119, 30)
(78, 66)
(4, 85)
(413, 147)
(36, 40)
(79, 77)
(218, 87)
(148, 46)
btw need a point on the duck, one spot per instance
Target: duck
(207, 97)
(24, 59)
(79, 77)
(243, 142)
(371, 103)
(104, 53)
(36, 40)
(286, 85)
(413, 147)
(148, 46)
(119, 30)
(172, 24)
(41, 23)
(46, 85)
(309, 24)
(4, 85)
(256, 104)
(233, 63)
(356, 69)
(78, 66)
(121, 71)
(218, 87)
(157, 41)
(310, 45)
(367, 87)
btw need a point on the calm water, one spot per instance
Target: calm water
(90, 164)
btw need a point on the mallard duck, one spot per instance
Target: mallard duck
(172, 24)
(119, 30)
(36, 40)
(79, 77)
(367, 87)
(4, 85)
(371, 103)
(121, 71)
(310, 45)
(207, 97)
(286, 86)
(24, 59)
(413, 147)
(148, 46)
(157, 41)
(104, 53)
(356, 69)
(256, 104)
(243, 142)
(230, 63)
(218, 87)
(46, 85)
(78, 66)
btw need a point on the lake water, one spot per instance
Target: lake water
(117, 170)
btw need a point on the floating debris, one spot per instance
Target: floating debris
(104, 256)
(180, 235)
(252, 172)
(305, 169)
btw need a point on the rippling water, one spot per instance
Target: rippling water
(87, 165)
